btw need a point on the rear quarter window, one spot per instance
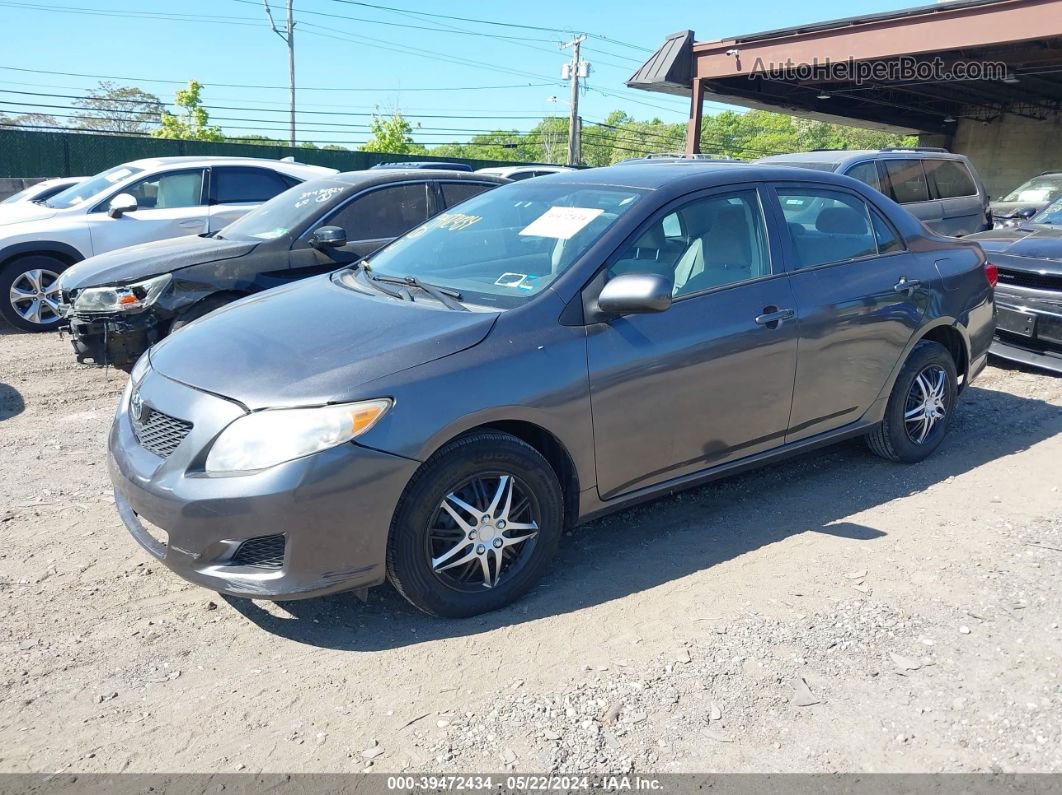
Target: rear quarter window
(949, 179)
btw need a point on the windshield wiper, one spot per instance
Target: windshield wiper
(445, 296)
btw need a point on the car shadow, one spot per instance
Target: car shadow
(11, 402)
(672, 537)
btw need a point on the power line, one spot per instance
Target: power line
(246, 85)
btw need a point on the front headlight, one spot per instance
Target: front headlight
(123, 298)
(265, 438)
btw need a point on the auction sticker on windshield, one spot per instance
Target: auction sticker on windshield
(561, 222)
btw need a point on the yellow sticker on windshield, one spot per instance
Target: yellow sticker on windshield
(561, 222)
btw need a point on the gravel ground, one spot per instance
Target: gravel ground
(830, 613)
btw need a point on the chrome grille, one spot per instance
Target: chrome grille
(159, 433)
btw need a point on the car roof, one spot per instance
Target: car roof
(286, 166)
(838, 156)
(654, 176)
(369, 176)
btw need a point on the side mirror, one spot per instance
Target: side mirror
(1025, 213)
(329, 237)
(121, 204)
(634, 294)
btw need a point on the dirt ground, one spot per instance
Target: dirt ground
(830, 613)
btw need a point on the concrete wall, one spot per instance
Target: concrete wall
(12, 185)
(1010, 150)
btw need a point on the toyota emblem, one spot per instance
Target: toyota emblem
(136, 405)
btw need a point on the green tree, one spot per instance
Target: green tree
(193, 124)
(392, 135)
(110, 108)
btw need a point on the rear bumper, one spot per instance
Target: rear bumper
(329, 513)
(116, 340)
(1029, 327)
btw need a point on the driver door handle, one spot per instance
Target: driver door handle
(773, 319)
(906, 285)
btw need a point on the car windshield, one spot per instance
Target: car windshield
(506, 245)
(292, 209)
(1038, 189)
(83, 191)
(1051, 214)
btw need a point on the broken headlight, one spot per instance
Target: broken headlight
(121, 298)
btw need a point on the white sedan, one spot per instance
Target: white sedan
(136, 202)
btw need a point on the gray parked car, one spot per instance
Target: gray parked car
(546, 352)
(941, 189)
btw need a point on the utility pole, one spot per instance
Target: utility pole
(573, 71)
(289, 38)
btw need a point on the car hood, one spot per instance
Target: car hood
(1030, 242)
(132, 264)
(22, 212)
(310, 343)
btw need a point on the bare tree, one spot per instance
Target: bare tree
(124, 110)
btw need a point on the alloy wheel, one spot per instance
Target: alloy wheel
(34, 295)
(482, 532)
(926, 404)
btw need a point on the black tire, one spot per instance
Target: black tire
(897, 438)
(463, 464)
(202, 307)
(18, 272)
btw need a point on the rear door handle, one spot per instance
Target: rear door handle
(774, 319)
(906, 285)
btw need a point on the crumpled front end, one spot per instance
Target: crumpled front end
(112, 339)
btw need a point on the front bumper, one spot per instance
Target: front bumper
(1029, 327)
(332, 509)
(116, 340)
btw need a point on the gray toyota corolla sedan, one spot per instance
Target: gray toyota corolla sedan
(546, 352)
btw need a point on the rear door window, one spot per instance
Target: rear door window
(908, 181)
(457, 192)
(383, 213)
(245, 185)
(826, 226)
(949, 179)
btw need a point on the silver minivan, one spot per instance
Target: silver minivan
(941, 189)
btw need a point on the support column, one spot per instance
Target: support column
(693, 131)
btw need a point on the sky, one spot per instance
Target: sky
(451, 77)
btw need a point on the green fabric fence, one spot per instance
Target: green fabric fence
(60, 154)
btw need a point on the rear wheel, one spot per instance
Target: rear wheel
(476, 527)
(29, 292)
(920, 406)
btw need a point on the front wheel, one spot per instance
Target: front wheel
(476, 527)
(29, 292)
(920, 406)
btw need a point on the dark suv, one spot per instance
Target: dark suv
(549, 351)
(117, 304)
(941, 189)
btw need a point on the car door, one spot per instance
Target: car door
(906, 181)
(236, 190)
(860, 295)
(950, 182)
(710, 379)
(169, 204)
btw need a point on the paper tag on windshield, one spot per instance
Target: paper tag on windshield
(561, 222)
